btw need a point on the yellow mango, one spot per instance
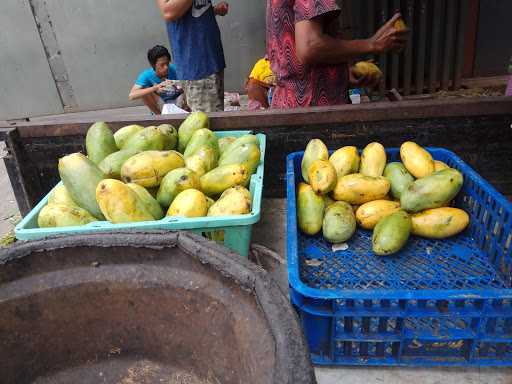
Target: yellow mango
(439, 223)
(322, 176)
(358, 189)
(373, 160)
(202, 161)
(315, 150)
(400, 24)
(61, 196)
(60, 215)
(369, 214)
(439, 165)
(233, 201)
(310, 209)
(237, 189)
(366, 68)
(189, 203)
(149, 168)
(345, 160)
(119, 203)
(219, 179)
(148, 200)
(416, 160)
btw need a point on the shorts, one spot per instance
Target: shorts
(206, 95)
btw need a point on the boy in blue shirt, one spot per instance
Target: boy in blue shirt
(154, 83)
(197, 50)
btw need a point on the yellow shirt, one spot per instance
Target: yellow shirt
(262, 71)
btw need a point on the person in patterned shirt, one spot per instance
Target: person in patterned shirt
(309, 57)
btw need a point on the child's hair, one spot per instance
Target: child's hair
(157, 52)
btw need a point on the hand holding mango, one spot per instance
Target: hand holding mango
(392, 36)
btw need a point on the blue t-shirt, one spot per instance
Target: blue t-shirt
(196, 43)
(148, 78)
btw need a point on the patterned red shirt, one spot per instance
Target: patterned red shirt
(300, 85)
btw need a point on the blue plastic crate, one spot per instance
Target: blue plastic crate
(436, 302)
(237, 229)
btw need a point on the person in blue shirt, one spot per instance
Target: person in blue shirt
(197, 50)
(154, 83)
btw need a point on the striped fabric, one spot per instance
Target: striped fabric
(300, 85)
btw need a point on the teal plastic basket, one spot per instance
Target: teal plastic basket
(237, 229)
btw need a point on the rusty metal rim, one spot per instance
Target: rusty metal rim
(292, 357)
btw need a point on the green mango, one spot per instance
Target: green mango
(204, 160)
(99, 142)
(193, 122)
(149, 202)
(225, 142)
(61, 196)
(339, 222)
(221, 178)
(122, 135)
(391, 233)
(111, 165)
(310, 209)
(174, 182)
(60, 215)
(246, 154)
(432, 191)
(171, 136)
(202, 137)
(399, 178)
(81, 176)
(150, 138)
(315, 150)
(245, 139)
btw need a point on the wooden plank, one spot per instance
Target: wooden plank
(303, 116)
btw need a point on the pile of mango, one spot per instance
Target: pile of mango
(142, 174)
(393, 199)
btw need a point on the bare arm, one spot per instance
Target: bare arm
(173, 9)
(316, 47)
(137, 92)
